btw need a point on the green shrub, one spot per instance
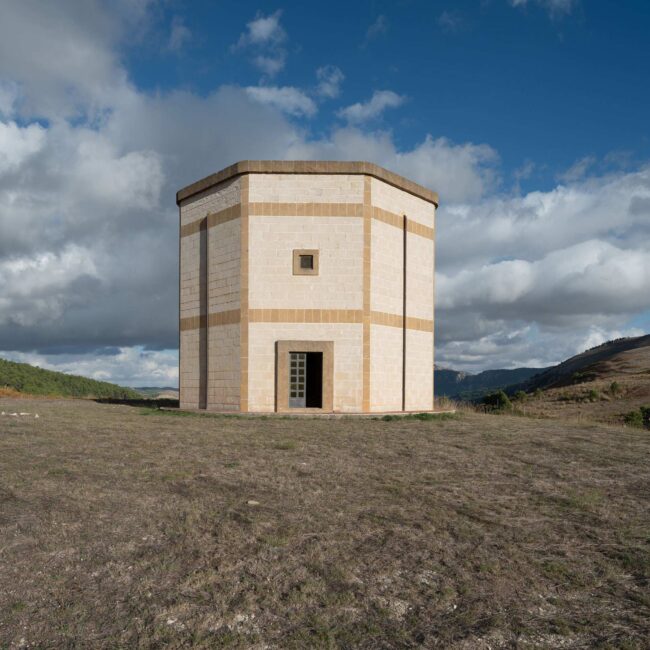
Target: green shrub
(520, 396)
(634, 419)
(497, 401)
(645, 413)
(582, 377)
(615, 388)
(594, 395)
(639, 418)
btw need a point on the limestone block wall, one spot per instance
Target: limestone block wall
(385, 368)
(348, 385)
(306, 188)
(387, 263)
(272, 240)
(224, 367)
(224, 287)
(209, 283)
(390, 206)
(190, 367)
(419, 374)
(397, 201)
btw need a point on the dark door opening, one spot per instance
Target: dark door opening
(314, 389)
(306, 380)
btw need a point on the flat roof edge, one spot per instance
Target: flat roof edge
(306, 167)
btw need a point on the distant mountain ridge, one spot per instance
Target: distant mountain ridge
(456, 384)
(32, 380)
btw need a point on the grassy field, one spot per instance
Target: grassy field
(127, 527)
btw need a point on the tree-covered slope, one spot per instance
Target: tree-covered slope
(37, 381)
(465, 386)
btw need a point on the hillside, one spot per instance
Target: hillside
(465, 386)
(31, 380)
(596, 363)
(608, 383)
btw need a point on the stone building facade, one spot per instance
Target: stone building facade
(306, 286)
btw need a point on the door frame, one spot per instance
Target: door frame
(282, 350)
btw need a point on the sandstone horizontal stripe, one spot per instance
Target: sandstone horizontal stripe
(307, 210)
(212, 219)
(307, 167)
(217, 318)
(192, 322)
(191, 228)
(419, 229)
(397, 220)
(267, 209)
(382, 318)
(306, 316)
(395, 320)
(391, 219)
(421, 324)
(229, 317)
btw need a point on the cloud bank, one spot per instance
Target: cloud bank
(89, 165)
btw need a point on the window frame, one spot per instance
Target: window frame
(300, 252)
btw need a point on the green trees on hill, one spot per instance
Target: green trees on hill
(497, 401)
(36, 381)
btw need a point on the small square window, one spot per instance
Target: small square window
(305, 262)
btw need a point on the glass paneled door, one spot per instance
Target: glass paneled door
(297, 379)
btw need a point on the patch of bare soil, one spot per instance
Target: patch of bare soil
(129, 527)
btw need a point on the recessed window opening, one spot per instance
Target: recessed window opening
(305, 261)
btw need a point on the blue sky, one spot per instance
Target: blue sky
(542, 85)
(529, 117)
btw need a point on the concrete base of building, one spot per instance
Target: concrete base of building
(324, 415)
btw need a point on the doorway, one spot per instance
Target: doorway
(306, 380)
(304, 376)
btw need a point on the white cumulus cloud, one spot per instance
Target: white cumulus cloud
(374, 107)
(329, 81)
(17, 144)
(265, 36)
(287, 98)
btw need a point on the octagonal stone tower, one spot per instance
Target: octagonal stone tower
(306, 287)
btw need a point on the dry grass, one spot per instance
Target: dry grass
(123, 527)
(8, 391)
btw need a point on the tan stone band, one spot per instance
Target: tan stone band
(265, 209)
(306, 210)
(305, 315)
(233, 317)
(397, 220)
(212, 219)
(394, 320)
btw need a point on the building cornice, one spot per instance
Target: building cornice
(307, 167)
